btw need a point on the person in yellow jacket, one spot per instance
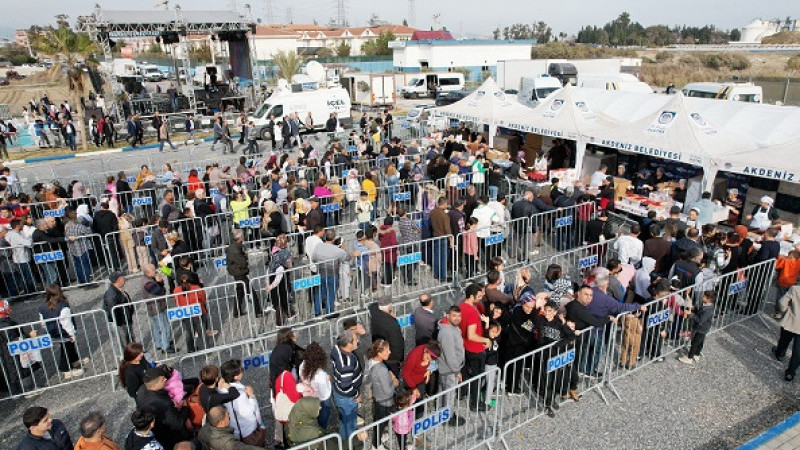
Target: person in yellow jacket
(239, 205)
(368, 186)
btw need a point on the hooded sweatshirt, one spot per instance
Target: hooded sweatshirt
(303, 425)
(452, 358)
(642, 280)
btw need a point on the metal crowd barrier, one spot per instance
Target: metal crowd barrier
(328, 442)
(255, 352)
(403, 269)
(33, 360)
(538, 380)
(665, 328)
(509, 240)
(578, 262)
(185, 321)
(432, 414)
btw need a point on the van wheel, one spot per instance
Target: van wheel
(265, 134)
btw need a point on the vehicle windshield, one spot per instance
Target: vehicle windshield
(414, 82)
(262, 110)
(544, 92)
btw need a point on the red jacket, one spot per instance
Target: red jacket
(190, 298)
(413, 371)
(388, 240)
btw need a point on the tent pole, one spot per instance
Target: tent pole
(709, 175)
(580, 152)
(492, 132)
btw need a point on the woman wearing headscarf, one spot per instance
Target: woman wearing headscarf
(520, 338)
(745, 242)
(763, 214)
(281, 374)
(734, 204)
(642, 281)
(278, 288)
(271, 219)
(352, 190)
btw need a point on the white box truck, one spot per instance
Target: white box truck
(613, 82)
(320, 103)
(369, 89)
(429, 84)
(737, 92)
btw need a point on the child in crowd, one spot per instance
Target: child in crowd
(492, 358)
(499, 264)
(363, 211)
(553, 327)
(404, 422)
(701, 324)
(558, 284)
(471, 246)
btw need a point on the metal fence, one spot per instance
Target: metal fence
(473, 250)
(186, 322)
(40, 356)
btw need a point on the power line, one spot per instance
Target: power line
(340, 19)
(289, 14)
(412, 13)
(269, 12)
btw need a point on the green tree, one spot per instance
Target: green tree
(155, 47)
(343, 49)
(288, 64)
(405, 22)
(735, 35)
(541, 32)
(201, 52)
(378, 46)
(70, 52)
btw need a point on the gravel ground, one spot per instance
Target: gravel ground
(735, 393)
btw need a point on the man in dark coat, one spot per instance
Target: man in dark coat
(170, 425)
(123, 317)
(239, 268)
(44, 432)
(384, 325)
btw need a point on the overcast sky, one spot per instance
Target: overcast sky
(463, 17)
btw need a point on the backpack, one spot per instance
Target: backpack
(197, 415)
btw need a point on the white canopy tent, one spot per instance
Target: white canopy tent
(778, 162)
(563, 114)
(483, 105)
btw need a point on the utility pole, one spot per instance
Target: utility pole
(289, 14)
(341, 13)
(269, 12)
(412, 13)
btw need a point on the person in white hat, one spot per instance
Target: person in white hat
(734, 204)
(762, 216)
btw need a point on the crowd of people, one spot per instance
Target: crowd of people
(461, 199)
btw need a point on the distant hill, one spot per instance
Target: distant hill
(784, 37)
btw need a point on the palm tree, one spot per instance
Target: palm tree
(288, 64)
(70, 52)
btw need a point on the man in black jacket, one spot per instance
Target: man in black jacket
(208, 393)
(123, 317)
(239, 268)
(46, 238)
(44, 432)
(106, 222)
(384, 325)
(170, 425)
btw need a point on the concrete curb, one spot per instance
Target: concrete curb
(771, 433)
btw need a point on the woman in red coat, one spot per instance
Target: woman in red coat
(388, 239)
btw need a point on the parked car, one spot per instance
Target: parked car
(414, 113)
(447, 98)
(3, 81)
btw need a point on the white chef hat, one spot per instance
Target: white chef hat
(767, 199)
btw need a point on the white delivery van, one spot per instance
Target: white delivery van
(428, 84)
(152, 73)
(320, 103)
(370, 89)
(535, 89)
(613, 82)
(737, 92)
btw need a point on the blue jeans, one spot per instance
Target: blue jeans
(161, 144)
(174, 103)
(161, 330)
(493, 190)
(83, 269)
(440, 249)
(324, 414)
(49, 273)
(348, 415)
(326, 290)
(27, 275)
(69, 140)
(592, 351)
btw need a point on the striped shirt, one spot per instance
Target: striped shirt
(82, 244)
(347, 372)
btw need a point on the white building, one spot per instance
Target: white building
(758, 29)
(475, 55)
(312, 39)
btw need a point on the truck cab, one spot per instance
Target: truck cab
(535, 89)
(565, 72)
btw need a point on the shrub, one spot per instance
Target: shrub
(663, 56)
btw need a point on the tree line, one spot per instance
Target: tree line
(622, 31)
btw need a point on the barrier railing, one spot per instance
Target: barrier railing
(538, 381)
(39, 356)
(70, 263)
(560, 229)
(305, 292)
(402, 270)
(432, 416)
(185, 323)
(578, 262)
(255, 352)
(328, 442)
(509, 240)
(666, 327)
